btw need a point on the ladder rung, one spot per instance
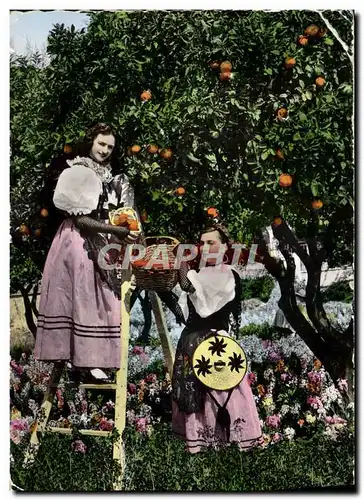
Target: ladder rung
(104, 387)
(85, 432)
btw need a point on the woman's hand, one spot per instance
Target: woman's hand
(132, 237)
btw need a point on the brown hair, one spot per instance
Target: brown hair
(84, 148)
(220, 228)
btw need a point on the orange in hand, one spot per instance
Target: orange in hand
(133, 225)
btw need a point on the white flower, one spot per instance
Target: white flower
(289, 433)
(284, 410)
(331, 433)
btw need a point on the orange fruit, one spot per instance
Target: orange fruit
(302, 40)
(282, 113)
(133, 225)
(67, 149)
(120, 220)
(277, 221)
(279, 154)
(214, 65)
(166, 154)
(140, 263)
(289, 62)
(180, 191)
(44, 212)
(212, 212)
(285, 180)
(135, 149)
(152, 149)
(312, 30)
(322, 32)
(226, 67)
(225, 76)
(317, 204)
(37, 232)
(23, 229)
(146, 95)
(320, 81)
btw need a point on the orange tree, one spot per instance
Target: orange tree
(249, 112)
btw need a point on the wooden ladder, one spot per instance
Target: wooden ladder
(120, 385)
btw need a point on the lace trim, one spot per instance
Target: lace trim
(104, 172)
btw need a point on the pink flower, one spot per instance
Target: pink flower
(138, 350)
(106, 425)
(132, 388)
(266, 344)
(79, 446)
(144, 357)
(285, 377)
(335, 420)
(15, 436)
(17, 368)
(274, 356)
(277, 437)
(342, 384)
(315, 402)
(19, 424)
(314, 377)
(273, 421)
(251, 378)
(152, 377)
(141, 424)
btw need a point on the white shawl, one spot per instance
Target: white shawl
(214, 288)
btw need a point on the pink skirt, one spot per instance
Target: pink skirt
(200, 429)
(79, 315)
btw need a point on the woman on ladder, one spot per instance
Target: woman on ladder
(79, 311)
(212, 294)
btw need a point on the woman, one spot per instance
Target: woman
(211, 295)
(79, 311)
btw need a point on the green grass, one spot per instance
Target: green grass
(159, 463)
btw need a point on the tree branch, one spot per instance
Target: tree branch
(274, 266)
(28, 310)
(337, 36)
(284, 233)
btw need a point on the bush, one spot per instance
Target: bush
(257, 288)
(159, 463)
(264, 331)
(339, 291)
(58, 468)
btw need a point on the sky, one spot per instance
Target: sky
(32, 28)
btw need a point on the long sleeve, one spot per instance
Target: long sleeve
(95, 226)
(184, 282)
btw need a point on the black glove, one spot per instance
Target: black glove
(91, 225)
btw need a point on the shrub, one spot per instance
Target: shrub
(257, 288)
(339, 291)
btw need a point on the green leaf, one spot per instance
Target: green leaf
(308, 95)
(297, 136)
(302, 116)
(328, 41)
(190, 110)
(193, 158)
(264, 155)
(302, 84)
(314, 188)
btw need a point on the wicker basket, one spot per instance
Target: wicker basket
(157, 280)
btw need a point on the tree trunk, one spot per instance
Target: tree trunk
(28, 310)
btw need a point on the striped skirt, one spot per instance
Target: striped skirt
(79, 315)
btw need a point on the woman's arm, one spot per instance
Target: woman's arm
(184, 282)
(89, 224)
